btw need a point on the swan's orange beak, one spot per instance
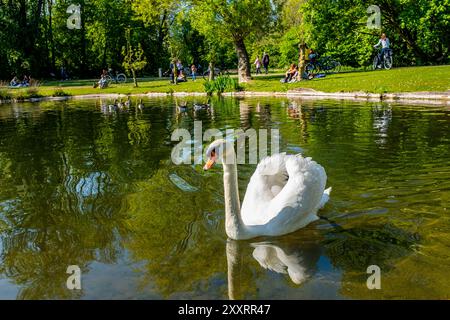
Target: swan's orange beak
(210, 162)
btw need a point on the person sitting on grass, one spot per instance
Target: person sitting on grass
(181, 76)
(14, 82)
(102, 83)
(291, 73)
(26, 81)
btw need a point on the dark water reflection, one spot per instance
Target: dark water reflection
(88, 185)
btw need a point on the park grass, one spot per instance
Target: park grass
(410, 79)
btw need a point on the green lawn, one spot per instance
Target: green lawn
(412, 79)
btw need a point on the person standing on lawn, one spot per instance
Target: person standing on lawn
(194, 72)
(265, 62)
(258, 65)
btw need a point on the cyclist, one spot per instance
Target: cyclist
(384, 42)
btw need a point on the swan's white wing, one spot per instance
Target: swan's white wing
(266, 182)
(295, 205)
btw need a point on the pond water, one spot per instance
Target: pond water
(84, 185)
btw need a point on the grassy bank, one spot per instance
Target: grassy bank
(413, 79)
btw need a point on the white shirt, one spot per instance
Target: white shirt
(384, 43)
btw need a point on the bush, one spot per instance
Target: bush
(32, 93)
(209, 87)
(4, 94)
(60, 93)
(221, 84)
(27, 94)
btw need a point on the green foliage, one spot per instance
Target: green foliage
(209, 87)
(289, 48)
(59, 92)
(418, 30)
(35, 38)
(134, 59)
(233, 21)
(221, 84)
(29, 93)
(4, 94)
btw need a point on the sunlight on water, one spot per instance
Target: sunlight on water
(86, 185)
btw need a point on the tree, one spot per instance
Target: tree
(235, 20)
(134, 59)
(418, 30)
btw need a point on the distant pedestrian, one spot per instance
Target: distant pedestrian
(265, 62)
(179, 66)
(63, 73)
(258, 65)
(194, 72)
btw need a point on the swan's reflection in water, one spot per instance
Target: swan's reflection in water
(296, 260)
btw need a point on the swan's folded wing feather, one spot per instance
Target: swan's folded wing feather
(273, 165)
(268, 179)
(297, 203)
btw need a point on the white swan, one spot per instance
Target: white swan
(283, 195)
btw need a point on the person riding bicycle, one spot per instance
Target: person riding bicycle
(384, 42)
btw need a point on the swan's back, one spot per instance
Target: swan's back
(284, 194)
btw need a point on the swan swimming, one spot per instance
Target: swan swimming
(283, 195)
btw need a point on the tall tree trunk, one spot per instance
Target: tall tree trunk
(134, 78)
(244, 71)
(162, 31)
(50, 35)
(175, 71)
(83, 60)
(37, 18)
(301, 61)
(211, 71)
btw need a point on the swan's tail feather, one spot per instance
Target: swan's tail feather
(325, 197)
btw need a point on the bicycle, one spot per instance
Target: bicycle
(117, 78)
(386, 61)
(325, 64)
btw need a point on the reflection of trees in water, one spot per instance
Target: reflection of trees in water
(245, 114)
(357, 248)
(180, 247)
(354, 249)
(296, 111)
(60, 202)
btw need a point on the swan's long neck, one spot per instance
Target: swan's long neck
(233, 222)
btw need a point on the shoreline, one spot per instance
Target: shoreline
(431, 98)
